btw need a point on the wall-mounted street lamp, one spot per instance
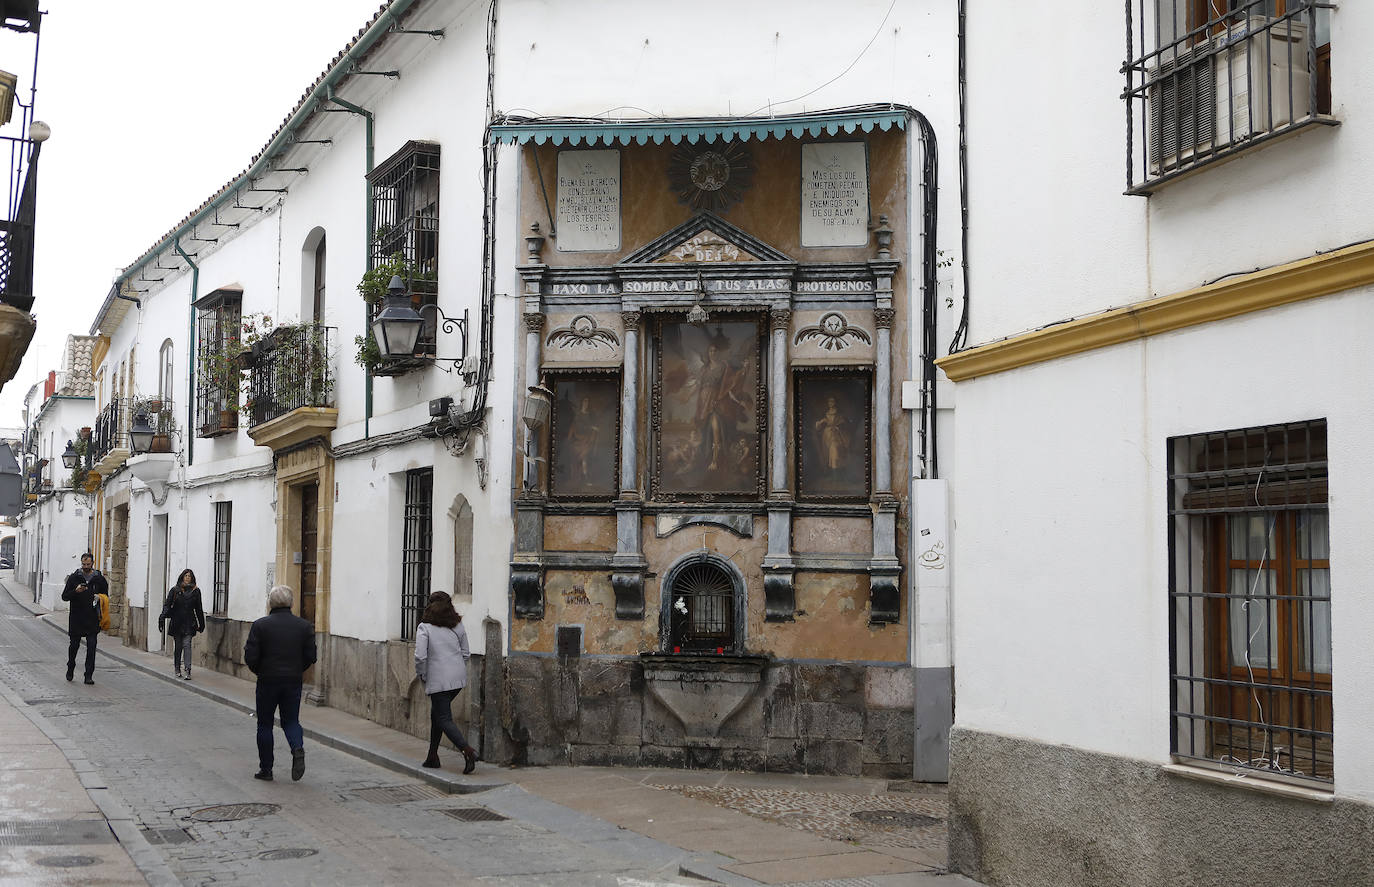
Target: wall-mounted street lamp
(141, 434)
(70, 456)
(538, 407)
(397, 327)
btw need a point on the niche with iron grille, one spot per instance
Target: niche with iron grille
(703, 606)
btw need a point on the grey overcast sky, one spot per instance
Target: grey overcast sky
(153, 107)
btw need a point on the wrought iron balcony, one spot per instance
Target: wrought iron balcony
(292, 368)
(110, 435)
(1211, 80)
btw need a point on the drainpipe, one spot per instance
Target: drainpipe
(367, 237)
(190, 354)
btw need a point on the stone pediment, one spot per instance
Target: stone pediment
(705, 239)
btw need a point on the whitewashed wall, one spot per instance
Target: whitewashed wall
(1060, 618)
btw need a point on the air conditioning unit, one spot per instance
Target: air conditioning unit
(1243, 83)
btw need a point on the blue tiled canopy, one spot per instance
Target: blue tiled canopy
(578, 131)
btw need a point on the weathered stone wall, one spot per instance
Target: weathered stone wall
(837, 719)
(1033, 815)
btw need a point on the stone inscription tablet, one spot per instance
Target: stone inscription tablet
(588, 214)
(834, 194)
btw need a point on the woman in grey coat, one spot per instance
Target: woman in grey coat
(441, 663)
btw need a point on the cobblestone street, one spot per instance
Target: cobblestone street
(178, 760)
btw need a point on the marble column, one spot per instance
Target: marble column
(779, 589)
(882, 404)
(527, 573)
(627, 576)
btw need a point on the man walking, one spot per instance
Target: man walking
(281, 646)
(83, 618)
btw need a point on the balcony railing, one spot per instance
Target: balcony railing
(111, 430)
(1203, 85)
(293, 368)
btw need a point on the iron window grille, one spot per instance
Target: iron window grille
(1250, 600)
(418, 540)
(224, 519)
(1206, 79)
(405, 217)
(218, 319)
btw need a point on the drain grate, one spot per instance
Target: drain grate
(897, 818)
(234, 812)
(474, 814)
(167, 836)
(287, 853)
(54, 832)
(399, 794)
(67, 862)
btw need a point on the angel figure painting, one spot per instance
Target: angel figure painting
(709, 429)
(585, 426)
(832, 435)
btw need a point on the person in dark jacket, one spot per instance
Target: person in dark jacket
(83, 618)
(184, 615)
(441, 664)
(281, 646)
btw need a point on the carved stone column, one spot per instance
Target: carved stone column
(527, 571)
(882, 404)
(780, 320)
(627, 577)
(779, 588)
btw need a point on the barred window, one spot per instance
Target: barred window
(418, 540)
(1250, 594)
(224, 518)
(405, 211)
(218, 376)
(1210, 78)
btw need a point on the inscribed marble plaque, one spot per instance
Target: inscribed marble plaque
(588, 201)
(834, 194)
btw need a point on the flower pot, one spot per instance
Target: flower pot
(154, 405)
(84, 433)
(244, 360)
(162, 443)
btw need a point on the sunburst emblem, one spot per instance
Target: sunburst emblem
(582, 331)
(711, 176)
(834, 332)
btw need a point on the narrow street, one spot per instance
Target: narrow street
(174, 763)
(183, 764)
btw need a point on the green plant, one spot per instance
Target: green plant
(78, 478)
(368, 355)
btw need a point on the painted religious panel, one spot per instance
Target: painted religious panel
(585, 450)
(708, 419)
(832, 414)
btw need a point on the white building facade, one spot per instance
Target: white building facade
(416, 154)
(1162, 439)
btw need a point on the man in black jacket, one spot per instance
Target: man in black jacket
(83, 619)
(281, 646)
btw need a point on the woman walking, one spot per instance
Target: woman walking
(183, 616)
(441, 663)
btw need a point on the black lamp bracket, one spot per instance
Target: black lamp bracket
(448, 325)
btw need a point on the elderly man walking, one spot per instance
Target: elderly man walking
(281, 646)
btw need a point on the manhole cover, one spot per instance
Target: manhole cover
(288, 853)
(67, 862)
(233, 812)
(899, 818)
(399, 794)
(54, 832)
(167, 836)
(474, 814)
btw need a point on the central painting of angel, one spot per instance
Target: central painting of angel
(710, 423)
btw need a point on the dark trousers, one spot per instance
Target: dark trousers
(75, 643)
(181, 650)
(283, 696)
(441, 721)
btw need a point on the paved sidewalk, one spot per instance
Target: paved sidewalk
(674, 807)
